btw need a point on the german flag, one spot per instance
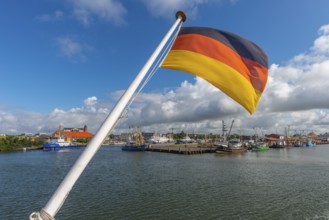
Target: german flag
(236, 66)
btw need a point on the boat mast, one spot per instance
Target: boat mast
(229, 132)
(58, 198)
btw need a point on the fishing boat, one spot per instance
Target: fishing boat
(231, 146)
(277, 145)
(58, 143)
(281, 144)
(221, 147)
(137, 144)
(298, 143)
(259, 146)
(308, 143)
(235, 145)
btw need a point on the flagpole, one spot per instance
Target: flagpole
(59, 196)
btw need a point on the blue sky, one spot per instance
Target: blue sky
(67, 62)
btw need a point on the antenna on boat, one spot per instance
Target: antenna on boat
(59, 196)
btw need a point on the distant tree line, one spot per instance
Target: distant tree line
(82, 140)
(182, 135)
(12, 143)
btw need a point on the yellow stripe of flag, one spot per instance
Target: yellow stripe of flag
(217, 73)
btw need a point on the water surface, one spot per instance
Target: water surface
(277, 184)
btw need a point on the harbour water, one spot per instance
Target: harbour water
(277, 184)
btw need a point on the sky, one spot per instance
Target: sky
(68, 62)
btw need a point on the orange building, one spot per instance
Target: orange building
(73, 133)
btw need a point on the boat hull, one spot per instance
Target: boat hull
(305, 145)
(230, 150)
(57, 147)
(259, 147)
(233, 146)
(134, 147)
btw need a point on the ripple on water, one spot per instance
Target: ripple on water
(290, 184)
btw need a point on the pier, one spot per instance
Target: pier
(187, 149)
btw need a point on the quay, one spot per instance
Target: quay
(187, 149)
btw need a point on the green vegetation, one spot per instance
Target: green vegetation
(12, 143)
(182, 135)
(179, 135)
(82, 140)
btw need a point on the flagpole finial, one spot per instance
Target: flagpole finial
(182, 15)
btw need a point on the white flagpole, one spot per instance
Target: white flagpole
(59, 196)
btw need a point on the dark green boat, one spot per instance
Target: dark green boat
(259, 146)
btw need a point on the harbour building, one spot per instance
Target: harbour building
(72, 134)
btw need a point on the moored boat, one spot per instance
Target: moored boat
(221, 147)
(137, 144)
(310, 143)
(277, 145)
(56, 144)
(259, 146)
(232, 146)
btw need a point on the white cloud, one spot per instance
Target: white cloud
(190, 103)
(105, 10)
(300, 85)
(296, 95)
(57, 15)
(321, 44)
(87, 12)
(91, 101)
(91, 113)
(72, 49)
(8, 118)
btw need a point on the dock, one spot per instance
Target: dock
(187, 149)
